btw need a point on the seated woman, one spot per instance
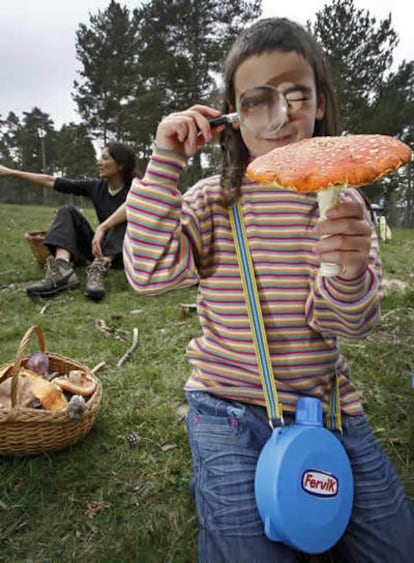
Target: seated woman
(70, 239)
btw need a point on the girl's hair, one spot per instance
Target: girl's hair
(269, 35)
(124, 155)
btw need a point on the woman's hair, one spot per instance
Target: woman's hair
(124, 155)
(269, 35)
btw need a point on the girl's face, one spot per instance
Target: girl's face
(108, 167)
(292, 75)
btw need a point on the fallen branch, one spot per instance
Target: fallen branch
(103, 327)
(130, 350)
(392, 312)
(98, 367)
(43, 309)
(117, 333)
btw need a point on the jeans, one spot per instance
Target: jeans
(226, 438)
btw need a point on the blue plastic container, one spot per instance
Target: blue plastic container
(303, 483)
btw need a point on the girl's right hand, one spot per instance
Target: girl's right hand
(187, 131)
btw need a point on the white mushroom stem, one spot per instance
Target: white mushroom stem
(326, 199)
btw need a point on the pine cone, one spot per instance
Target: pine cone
(133, 439)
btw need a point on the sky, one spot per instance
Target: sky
(37, 46)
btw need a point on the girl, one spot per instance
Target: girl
(176, 240)
(71, 239)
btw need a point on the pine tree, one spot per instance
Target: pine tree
(373, 97)
(108, 50)
(360, 54)
(183, 44)
(76, 155)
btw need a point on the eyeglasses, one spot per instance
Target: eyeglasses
(264, 110)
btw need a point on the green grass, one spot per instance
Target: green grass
(104, 501)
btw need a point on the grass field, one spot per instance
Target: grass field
(105, 501)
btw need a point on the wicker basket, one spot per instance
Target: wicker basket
(28, 431)
(36, 240)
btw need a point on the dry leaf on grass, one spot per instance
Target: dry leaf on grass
(95, 506)
(168, 447)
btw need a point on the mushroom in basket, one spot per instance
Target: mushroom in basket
(33, 390)
(76, 382)
(326, 165)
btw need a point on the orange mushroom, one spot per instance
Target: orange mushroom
(327, 164)
(76, 382)
(32, 386)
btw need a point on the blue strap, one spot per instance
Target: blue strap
(273, 406)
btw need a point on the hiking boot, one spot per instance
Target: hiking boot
(59, 276)
(95, 278)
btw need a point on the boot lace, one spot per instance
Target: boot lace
(97, 270)
(52, 271)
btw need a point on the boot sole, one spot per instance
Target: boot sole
(94, 295)
(54, 291)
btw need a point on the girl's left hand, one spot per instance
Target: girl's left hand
(345, 238)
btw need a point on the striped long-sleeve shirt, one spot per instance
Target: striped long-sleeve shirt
(175, 241)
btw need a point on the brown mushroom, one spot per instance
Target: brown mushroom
(76, 382)
(33, 386)
(327, 164)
